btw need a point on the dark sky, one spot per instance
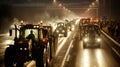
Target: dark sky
(6, 12)
(23, 1)
(70, 4)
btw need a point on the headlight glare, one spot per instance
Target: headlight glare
(57, 31)
(63, 31)
(86, 39)
(98, 39)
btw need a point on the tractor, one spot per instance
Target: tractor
(38, 47)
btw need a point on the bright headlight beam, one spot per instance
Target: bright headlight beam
(57, 31)
(85, 39)
(63, 31)
(98, 39)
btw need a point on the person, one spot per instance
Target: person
(31, 36)
(32, 49)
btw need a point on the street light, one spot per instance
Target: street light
(54, 1)
(93, 3)
(60, 5)
(97, 0)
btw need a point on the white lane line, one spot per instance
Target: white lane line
(64, 59)
(68, 58)
(62, 44)
(71, 46)
(60, 40)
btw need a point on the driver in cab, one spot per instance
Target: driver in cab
(31, 36)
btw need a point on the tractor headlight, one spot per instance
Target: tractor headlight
(35, 26)
(86, 39)
(57, 31)
(25, 48)
(21, 48)
(98, 39)
(63, 31)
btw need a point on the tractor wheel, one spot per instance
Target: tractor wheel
(9, 57)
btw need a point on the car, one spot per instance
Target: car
(91, 35)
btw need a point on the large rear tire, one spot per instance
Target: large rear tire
(9, 57)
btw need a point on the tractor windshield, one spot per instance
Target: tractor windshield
(26, 32)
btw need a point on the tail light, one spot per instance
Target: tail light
(44, 40)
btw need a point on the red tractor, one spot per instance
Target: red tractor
(37, 46)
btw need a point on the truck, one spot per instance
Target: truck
(41, 48)
(82, 23)
(91, 36)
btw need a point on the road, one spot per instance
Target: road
(70, 53)
(5, 40)
(91, 57)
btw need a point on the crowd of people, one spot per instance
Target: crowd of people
(113, 29)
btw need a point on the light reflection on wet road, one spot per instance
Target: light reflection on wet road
(91, 57)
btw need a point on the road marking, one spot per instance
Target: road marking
(66, 54)
(68, 58)
(61, 44)
(71, 46)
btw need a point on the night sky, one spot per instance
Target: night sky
(8, 12)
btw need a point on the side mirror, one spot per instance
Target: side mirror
(10, 32)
